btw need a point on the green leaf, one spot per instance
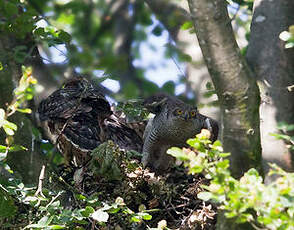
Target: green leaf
(205, 196)
(196, 169)
(252, 172)
(185, 57)
(40, 32)
(8, 131)
(87, 211)
(135, 219)
(1, 66)
(64, 36)
(194, 142)
(281, 136)
(78, 196)
(146, 216)
(56, 226)
(27, 110)
(10, 125)
(187, 25)
(223, 164)
(15, 148)
(3, 148)
(224, 155)
(177, 153)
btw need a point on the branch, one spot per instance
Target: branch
(170, 15)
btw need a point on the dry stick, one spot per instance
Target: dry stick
(187, 217)
(93, 225)
(40, 185)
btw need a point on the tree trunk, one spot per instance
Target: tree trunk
(274, 68)
(236, 88)
(25, 164)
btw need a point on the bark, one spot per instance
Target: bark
(235, 86)
(274, 68)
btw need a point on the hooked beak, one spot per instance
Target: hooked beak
(186, 116)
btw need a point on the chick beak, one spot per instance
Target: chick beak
(186, 116)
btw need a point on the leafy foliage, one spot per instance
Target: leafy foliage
(248, 199)
(22, 94)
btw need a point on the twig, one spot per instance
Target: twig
(256, 227)
(93, 225)
(236, 13)
(53, 199)
(175, 61)
(40, 185)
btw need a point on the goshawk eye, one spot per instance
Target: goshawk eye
(179, 111)
(193, 113)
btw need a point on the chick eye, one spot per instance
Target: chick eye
(178, 111)
(193, 113)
